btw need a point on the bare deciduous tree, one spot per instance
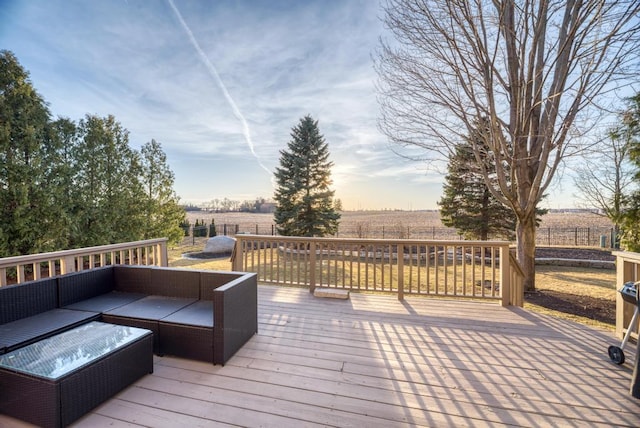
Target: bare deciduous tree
(534, 68)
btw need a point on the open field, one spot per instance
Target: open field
(558, 228)
(553, 219)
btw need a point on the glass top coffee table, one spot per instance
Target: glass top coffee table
(56, 380)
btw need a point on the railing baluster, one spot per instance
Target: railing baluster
(400, 250)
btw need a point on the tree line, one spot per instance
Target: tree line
(69, 184)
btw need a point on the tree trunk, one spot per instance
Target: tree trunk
(526, 249)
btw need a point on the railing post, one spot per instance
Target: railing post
(505, 278)
(312, 266)
(627, 269)
(236, 256)
(164, 257)
(3, 277)
(400, 251)
(67, 265)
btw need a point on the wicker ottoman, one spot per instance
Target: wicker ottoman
(55, 381)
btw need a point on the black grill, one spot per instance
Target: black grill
(629, 293)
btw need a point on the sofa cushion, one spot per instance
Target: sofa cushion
(151, 307)
(106, 302)
(22, 332)
(199, 314)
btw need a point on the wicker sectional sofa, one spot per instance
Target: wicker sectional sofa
(30, 312)
(202, 315)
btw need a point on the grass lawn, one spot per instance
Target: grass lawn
(584, 295)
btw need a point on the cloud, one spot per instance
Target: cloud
(277, 61)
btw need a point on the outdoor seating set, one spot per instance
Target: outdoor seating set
(70, 342)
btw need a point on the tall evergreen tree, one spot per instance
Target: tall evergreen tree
(162, 211)
(467, 203)
(24, 193)
(304, 200)
(60, 173)
(107, 184)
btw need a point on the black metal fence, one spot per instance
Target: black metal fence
(593, 236)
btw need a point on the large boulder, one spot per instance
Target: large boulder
(220, 245)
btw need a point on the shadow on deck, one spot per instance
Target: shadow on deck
(374, 361)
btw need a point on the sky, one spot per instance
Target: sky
(220, 85)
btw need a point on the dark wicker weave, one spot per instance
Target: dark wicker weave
(175, 282)
(145, 313)
(192, 342)
(201, 315)
(133, 279)
(188, 333)
(29, 313)
(214, 329)
(143, 296)
(93, 290)
(24, 300)
(235, 316)
(209, 281)
(78, 286)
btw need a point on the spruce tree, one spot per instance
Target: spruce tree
(467, 204)
(304, 201)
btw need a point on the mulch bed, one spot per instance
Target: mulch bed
(602, 310)
(206, 256)
(574, 254)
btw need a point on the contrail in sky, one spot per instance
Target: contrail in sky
(214, 73)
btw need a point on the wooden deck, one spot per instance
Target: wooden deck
(373, 361)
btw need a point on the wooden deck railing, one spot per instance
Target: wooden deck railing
(463, 269)
(627, 269)
(35, 266)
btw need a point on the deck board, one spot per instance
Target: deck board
(374, 361)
